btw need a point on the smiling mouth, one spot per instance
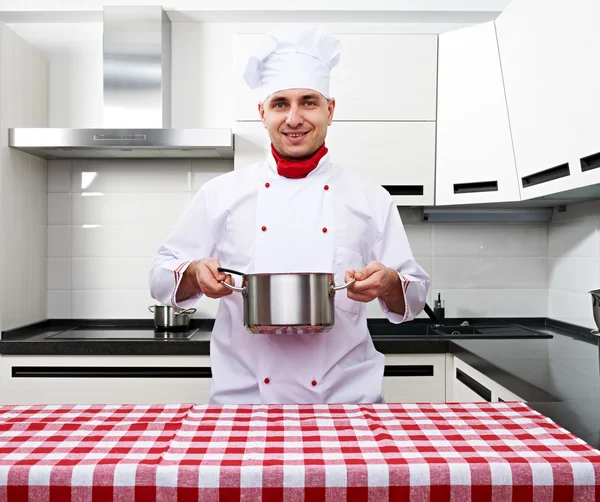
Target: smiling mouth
(295, 134)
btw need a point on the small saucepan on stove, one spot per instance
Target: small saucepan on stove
(167, 318)
(287, 303)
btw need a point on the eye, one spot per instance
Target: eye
(310, 103)
(279, 105)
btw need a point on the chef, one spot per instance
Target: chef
(296, 211)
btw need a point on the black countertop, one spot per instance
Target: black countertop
(558, 376)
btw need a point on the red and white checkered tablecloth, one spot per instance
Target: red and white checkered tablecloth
(483, 451)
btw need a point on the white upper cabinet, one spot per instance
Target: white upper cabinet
(397, 155)
(549, 53)
(379, 77)
(475, 159)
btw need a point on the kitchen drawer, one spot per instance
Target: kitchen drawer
(104, 379)
(414, 378)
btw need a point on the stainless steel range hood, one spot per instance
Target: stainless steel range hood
(137, 101)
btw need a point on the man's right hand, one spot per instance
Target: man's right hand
(203, 276)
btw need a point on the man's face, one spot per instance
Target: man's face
(297, 121)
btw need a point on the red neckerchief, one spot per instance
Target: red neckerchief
(298, 168)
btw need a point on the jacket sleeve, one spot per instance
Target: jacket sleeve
(393, 250)
(191, 239)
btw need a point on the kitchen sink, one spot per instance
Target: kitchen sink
(487, 331)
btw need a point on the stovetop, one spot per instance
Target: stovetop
(119, 333)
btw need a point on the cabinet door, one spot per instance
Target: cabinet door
(475, 159)
(470, 385)
(414, 378)
(104, 379)
(397, 155)
(549, 54)
(379, 77)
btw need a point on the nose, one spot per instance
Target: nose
(294, 117)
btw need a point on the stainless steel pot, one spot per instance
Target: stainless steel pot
(287, 303)
(170, 318)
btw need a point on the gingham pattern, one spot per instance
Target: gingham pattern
(483, 451)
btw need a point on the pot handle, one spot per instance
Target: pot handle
(151, 308)
(185, 311)
(343, 286)
(233, 288)
(229, 271)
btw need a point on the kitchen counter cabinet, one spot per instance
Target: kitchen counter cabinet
(411, 378)
(549, 55)
(466, 384)
(54, 379)
(475, 159)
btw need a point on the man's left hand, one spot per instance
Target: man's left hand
(373, 281)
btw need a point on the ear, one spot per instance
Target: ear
(261, 113)
(330, 110)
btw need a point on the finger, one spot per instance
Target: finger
(369, 270)
(359, 297)
(372, 283)
(213, 266)
(349, 275)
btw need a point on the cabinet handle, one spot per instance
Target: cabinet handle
(408, 370)
(474, 385)
(480, 186)
(551, 174)
(404, 189)
(108, 372)
(590, 162)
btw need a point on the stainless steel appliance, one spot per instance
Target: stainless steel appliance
(137, 100)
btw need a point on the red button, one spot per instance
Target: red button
(314, 383)
(264, 229)
(267, 185)
(267, 380)
(324, 230)
(326, 187)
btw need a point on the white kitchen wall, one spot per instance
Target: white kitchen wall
(106, 220)
(23, 103)
(573, 250)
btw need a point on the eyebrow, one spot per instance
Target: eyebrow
(280, 99)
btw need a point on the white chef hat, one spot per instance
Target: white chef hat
(294, 56)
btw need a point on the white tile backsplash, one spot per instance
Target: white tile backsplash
(59, 209)
(573, 274)
(59, 273)
(114, 241)
(500, 239)
(59, 241)
(204, 170)
(475, 302)
(573, 248)
(419, 238)
(59, 176)
(100, 246)
(132, 176)
(129, 208)
(110, 273)
(575, 238)
(59, 304)
(494, 272)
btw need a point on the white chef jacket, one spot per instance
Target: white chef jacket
(256, 221)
